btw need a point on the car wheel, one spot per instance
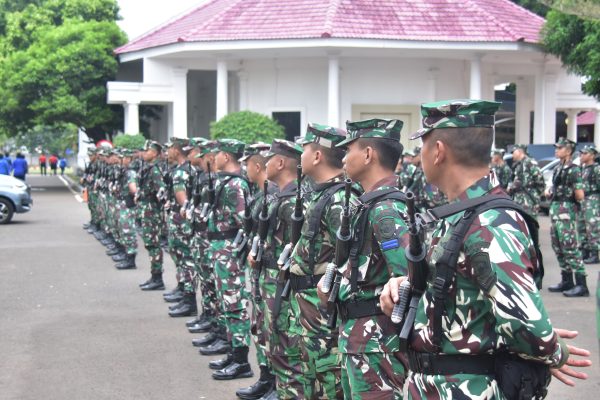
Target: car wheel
(6, 211)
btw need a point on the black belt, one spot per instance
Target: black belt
(563, 199)
(303, 282)
(230, 234)
(359, 309)
(451, 364)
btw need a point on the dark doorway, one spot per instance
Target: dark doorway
(290, 120)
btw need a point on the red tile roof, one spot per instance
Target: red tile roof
(413, 20)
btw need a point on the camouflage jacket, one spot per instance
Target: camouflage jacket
(565, 180)
(507, 315)
(380, 258)
(590, 176)
(149, 182)
(280, 229)
(404, 176)
(417, 185)
(527, 178)
(503, 173)
(228, 210)
(181, 176)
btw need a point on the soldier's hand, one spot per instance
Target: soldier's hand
(251, 261)
(563, 373)
(389, 295)
(324, 297)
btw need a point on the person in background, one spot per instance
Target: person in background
(43, 166)
(20, 167)
(53, 163)
(62, 164)
(5, 168)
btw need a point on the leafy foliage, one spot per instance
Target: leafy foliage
(535, 6)
(577, 43)
(247, 126)
(129, 141)
(55, 59)
(50, 140)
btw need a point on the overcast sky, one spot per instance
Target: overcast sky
(139, 16)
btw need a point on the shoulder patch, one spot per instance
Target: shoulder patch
(387, 228)
(482, 268)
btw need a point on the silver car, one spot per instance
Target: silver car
(15, 197)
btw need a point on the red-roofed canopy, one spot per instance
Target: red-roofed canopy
(403, 20)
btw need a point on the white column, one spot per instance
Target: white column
(540, 97)
(243, 79)
(475, 86)
(522, 117)
(333, 93)
(597, 128)
(544, 125)
(132, 118)
(572, 124)
(222, 90)
(432, 84)
(179, 110)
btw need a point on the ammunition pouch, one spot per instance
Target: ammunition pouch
(303, 282)
(359, 309)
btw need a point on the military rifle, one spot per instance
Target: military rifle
(241, 240)
(405, 310)
(207, 207)
(332, 280)
(258, 244)
(284, 261)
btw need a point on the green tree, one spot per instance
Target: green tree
(48, 139)
(129, 141)
(56, 57)
(247, 126)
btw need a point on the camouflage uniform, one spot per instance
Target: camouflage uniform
(527, 185)
(492, 304)
(591, 206)
(126, 210)
(418, 186)
(404, 176)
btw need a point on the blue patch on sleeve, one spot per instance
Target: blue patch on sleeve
(390, 244)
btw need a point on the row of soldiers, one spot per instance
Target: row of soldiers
(329, 238)
(574, 196)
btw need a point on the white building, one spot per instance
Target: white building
(329, 61)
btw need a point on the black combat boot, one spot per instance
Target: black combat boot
(264, 385)
(187, 308)
(239, 368)
(154, 283)
(593, 258)
(221, 362)
(580, 289)
(100, 234)
(121, 255)
(177, 305)
(205, 340)
(566, 282)
(128, 263)
(109, 239)
(219, 346)
(272, 395)
(176, 296)
(93, 228)
(87, 225)
(113, 250)
(203, 324)
(176, 289)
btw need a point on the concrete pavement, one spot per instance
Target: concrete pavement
(73, 327)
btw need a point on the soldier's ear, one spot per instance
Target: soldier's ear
(369, 155)
(318, 157)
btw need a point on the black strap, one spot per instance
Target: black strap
(367, 201)
(226, 178)
(303, 282)
(359, 309)
(445, 270)
(224, 235)
(291, 192)
(451, 364)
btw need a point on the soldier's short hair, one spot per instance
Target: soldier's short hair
(259, 159)
(389, 151)
(333, 156)
(471, 146)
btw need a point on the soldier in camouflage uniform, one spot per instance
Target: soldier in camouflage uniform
(490, 308)
(417, 184)
(125, 208)
(567, 193)
(225, 220)
(527, 184)
(88, 182)
(149, 183)
(180, 229)
(322, 161)
(591, 203)
(407, 170)
(500, 168)
(372, 365)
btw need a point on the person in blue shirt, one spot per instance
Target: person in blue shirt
(20, 167)
(5, 167)
(62, 164)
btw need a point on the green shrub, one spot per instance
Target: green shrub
(129, 141)
(247, 126)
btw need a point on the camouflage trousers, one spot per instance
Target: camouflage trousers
(127, 236)
(257, 318)
(591, 218)
(205, 274)
(565, 239)
(283, 347)
(93, 205)
(321, 367)
(529, 201)
(462, 386)
(149, 213)
(372, 376)
(180, 236)
(232, 294)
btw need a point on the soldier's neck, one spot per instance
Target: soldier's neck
(457, 179)
(283, 179)
(324, 174)
(231, 168)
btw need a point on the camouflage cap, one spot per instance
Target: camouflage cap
(415, 151)
(153, 145)
(284, 148)
(254, 149)
(498, 152)
(564, 142)
(127, 153)
(589, 149)
(206, 148)
(373, 128)
(520, 147)
(233, 146)
(323, 135)
(456, 114)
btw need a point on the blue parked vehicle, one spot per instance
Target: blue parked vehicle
(15, 197)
